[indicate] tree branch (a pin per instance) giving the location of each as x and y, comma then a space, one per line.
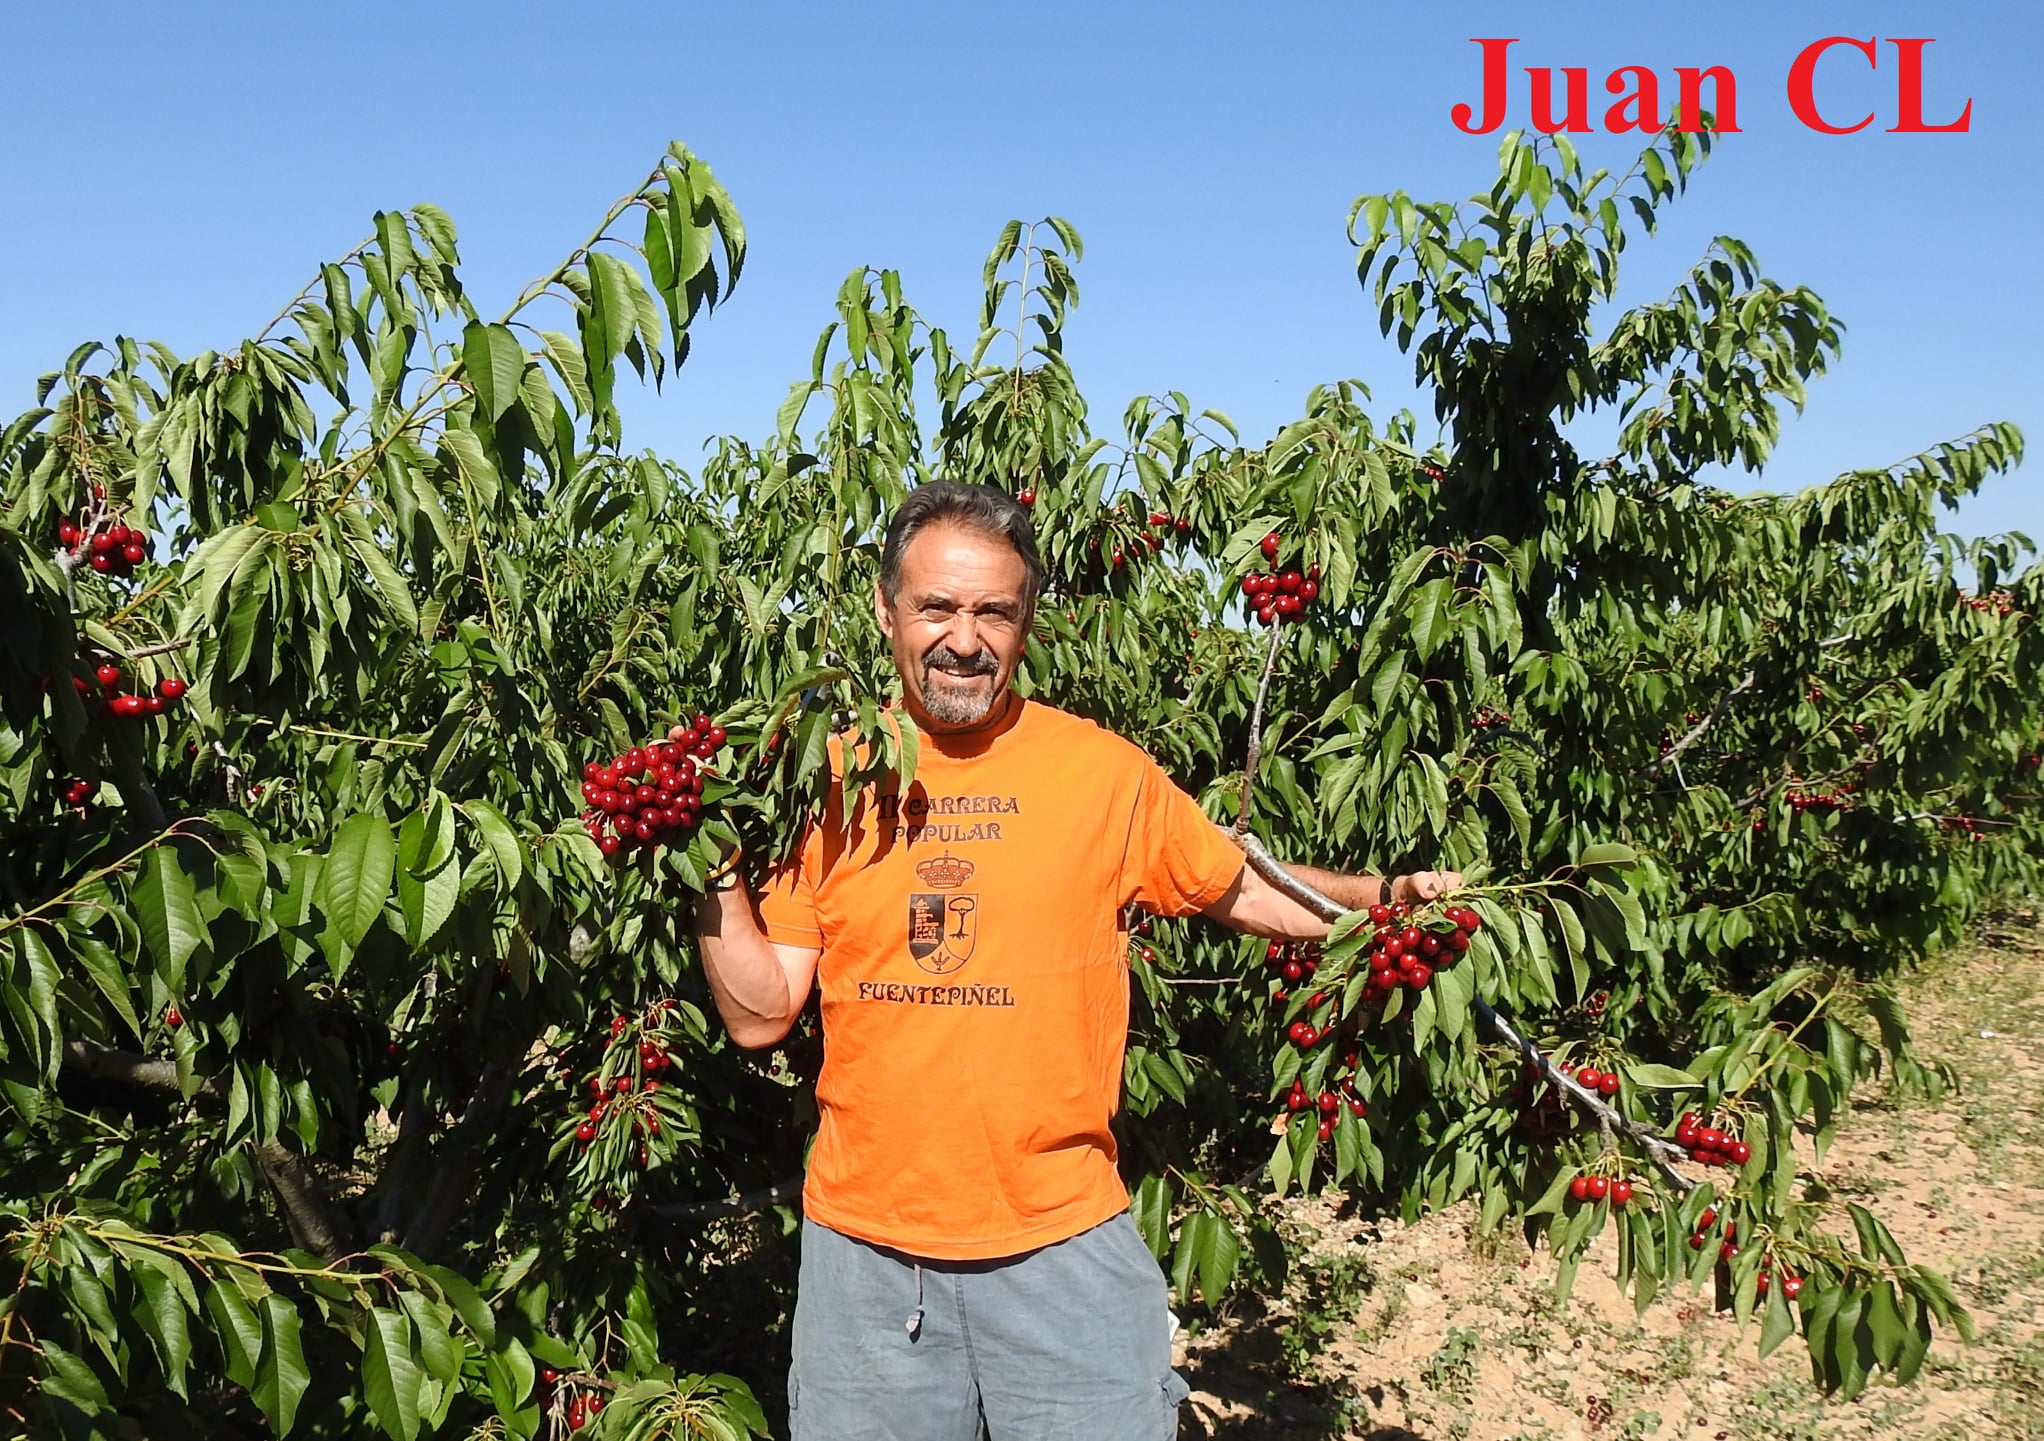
1256, 731
781, 1193
104, 1063
1662, 1152
317, 1224
1654, 767
455, 1161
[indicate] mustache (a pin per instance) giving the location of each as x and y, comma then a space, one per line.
979, 663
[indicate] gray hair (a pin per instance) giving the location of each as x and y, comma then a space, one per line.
979, 508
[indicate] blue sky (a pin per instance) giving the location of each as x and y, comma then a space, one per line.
176, 172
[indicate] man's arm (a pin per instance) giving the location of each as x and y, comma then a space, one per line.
759, 985
1253, 904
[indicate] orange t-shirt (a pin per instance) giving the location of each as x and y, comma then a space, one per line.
975, 980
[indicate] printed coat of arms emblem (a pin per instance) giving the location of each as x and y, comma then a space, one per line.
943, 922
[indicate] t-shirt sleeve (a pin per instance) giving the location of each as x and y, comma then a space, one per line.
1179, 861
787, 901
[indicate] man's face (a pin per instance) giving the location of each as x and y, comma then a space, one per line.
958, 625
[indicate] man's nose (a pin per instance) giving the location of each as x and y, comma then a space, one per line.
961, 634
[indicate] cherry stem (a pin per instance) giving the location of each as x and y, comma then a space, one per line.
1662, 1152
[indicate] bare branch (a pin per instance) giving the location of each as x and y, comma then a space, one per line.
1256, 731
1694, 734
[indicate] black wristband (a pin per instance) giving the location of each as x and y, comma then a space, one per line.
1384, 892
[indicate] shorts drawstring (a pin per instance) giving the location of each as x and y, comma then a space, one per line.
915, 1317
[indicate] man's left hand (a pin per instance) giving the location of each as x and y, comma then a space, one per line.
1424, 886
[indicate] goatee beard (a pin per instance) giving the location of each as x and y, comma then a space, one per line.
951, 707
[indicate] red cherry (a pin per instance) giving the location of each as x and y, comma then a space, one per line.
103, 543
1588, 1077
1327, 1128
1600, 1187
1579, 1188
549, 1375
1379, 914
578, 1414
1329, 1103
108, 673
1027, 497
1607, 1084
103, 564
1419, 976
1271, 543
133, 552
1621, 1193
151, 704
595, 1405
173, 1017
1710, 1215
1740, 1153
586, 1132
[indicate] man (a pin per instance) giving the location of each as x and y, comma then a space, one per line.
968, 1264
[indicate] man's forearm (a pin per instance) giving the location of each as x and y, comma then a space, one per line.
746, 976
1350, 892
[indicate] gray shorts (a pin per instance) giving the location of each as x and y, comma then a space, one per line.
1068, 1343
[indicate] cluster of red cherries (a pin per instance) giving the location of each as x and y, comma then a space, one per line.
1604, 1083
1838, 798
110, 549
1709, 1145
1328, 1103
651, 794
1283, 595
1998, 601
626, 1094
1615, 1189
1162, 521
1728, 1247
169, 691
582, 1408
1405, 955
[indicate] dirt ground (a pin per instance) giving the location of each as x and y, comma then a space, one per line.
1427, 1332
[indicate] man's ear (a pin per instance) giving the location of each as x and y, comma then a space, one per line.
883, 614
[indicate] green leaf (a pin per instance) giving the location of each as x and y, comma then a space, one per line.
355, 881
240, 1333
161, 1310
390, 1375
1610, 853
494, 362
1653, 1074
502, 841
281, 1375
167, 910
